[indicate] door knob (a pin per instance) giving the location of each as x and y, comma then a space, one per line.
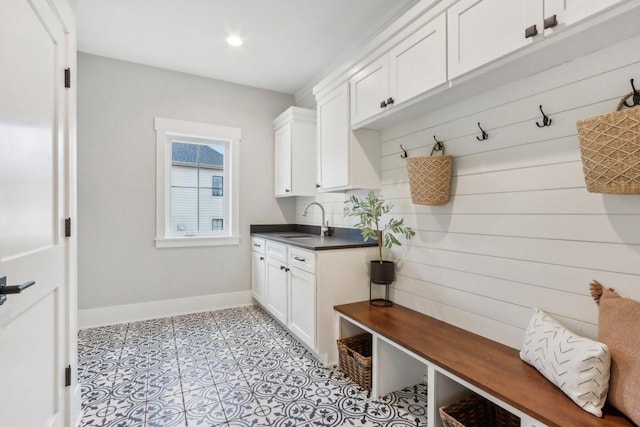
5, 290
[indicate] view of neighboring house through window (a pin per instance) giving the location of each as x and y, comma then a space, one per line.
197, 194
197, 182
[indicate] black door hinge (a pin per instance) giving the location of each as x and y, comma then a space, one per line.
67, 376
67, 77
67, 227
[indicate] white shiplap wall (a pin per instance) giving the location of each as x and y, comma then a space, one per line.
520, 229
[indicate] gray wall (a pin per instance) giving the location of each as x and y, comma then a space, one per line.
117, 260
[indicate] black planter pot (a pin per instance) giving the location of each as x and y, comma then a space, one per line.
381, 274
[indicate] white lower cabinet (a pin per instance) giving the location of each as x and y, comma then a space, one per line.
302, 286
302, 304
277, 289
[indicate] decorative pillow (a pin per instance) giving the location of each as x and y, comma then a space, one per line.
620, 330
577, 365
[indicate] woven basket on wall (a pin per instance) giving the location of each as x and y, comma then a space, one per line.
430, 178
610, 150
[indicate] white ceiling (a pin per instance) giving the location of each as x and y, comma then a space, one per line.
287, 43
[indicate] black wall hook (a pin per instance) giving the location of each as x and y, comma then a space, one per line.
485, 135
546, 121
636, 96
438, 146
404, 154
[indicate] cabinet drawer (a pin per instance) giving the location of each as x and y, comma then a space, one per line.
302, 259
277, 251
258, 244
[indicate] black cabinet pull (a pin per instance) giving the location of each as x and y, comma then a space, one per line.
257, 245
261, 258
383, 104
318, 186
286, 269
550, 22
531, 31
286, 190
299, 259
390, 101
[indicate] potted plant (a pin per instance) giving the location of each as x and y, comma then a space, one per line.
370, 210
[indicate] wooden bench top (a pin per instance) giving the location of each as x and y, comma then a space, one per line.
488, 365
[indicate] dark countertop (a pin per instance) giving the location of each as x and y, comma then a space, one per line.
308, 236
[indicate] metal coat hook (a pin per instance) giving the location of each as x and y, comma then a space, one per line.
546, 121
636, 96
438, 146
485, 135
404, 154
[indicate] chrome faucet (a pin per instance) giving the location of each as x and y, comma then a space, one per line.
324, 228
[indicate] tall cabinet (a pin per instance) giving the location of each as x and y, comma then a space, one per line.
346, 159
295, 152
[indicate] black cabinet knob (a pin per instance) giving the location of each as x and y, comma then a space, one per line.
383, 104
261, 258
318, 185
390, 101
286, 190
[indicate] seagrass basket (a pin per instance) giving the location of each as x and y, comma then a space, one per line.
475, 411
354, 354
610, 151
430, 178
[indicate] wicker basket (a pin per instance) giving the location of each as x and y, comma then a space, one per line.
355, 359
430, 178
610, 150
475, 411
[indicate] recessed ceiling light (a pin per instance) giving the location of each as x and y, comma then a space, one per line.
234, 41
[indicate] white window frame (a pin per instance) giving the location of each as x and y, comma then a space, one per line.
166, 130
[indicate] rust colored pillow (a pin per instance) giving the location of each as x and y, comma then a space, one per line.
619, 328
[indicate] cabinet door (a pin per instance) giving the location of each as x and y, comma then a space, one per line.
480, 31
258, 276
419, 63
370, 88
569, 12
277, 284
334, 139
302, 319
282, 161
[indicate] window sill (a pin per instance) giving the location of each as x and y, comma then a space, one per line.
194, 241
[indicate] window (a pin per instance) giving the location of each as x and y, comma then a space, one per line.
197, 176
217, 186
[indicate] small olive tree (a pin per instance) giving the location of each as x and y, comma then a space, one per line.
370, 210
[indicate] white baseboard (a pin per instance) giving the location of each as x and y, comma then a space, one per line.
93, 317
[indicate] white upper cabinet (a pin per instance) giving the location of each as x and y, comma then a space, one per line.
569, 12
480, 31
346, 160
419, 63
415, 65
295, 152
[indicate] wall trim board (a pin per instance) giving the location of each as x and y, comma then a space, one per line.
103, 316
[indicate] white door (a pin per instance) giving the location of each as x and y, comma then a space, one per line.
480, 31
370, 90
277, 284
302, 319
282, 161
34, 134
258, 276
334, 133
419, 63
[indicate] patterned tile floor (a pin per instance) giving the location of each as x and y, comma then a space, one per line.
234, 367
